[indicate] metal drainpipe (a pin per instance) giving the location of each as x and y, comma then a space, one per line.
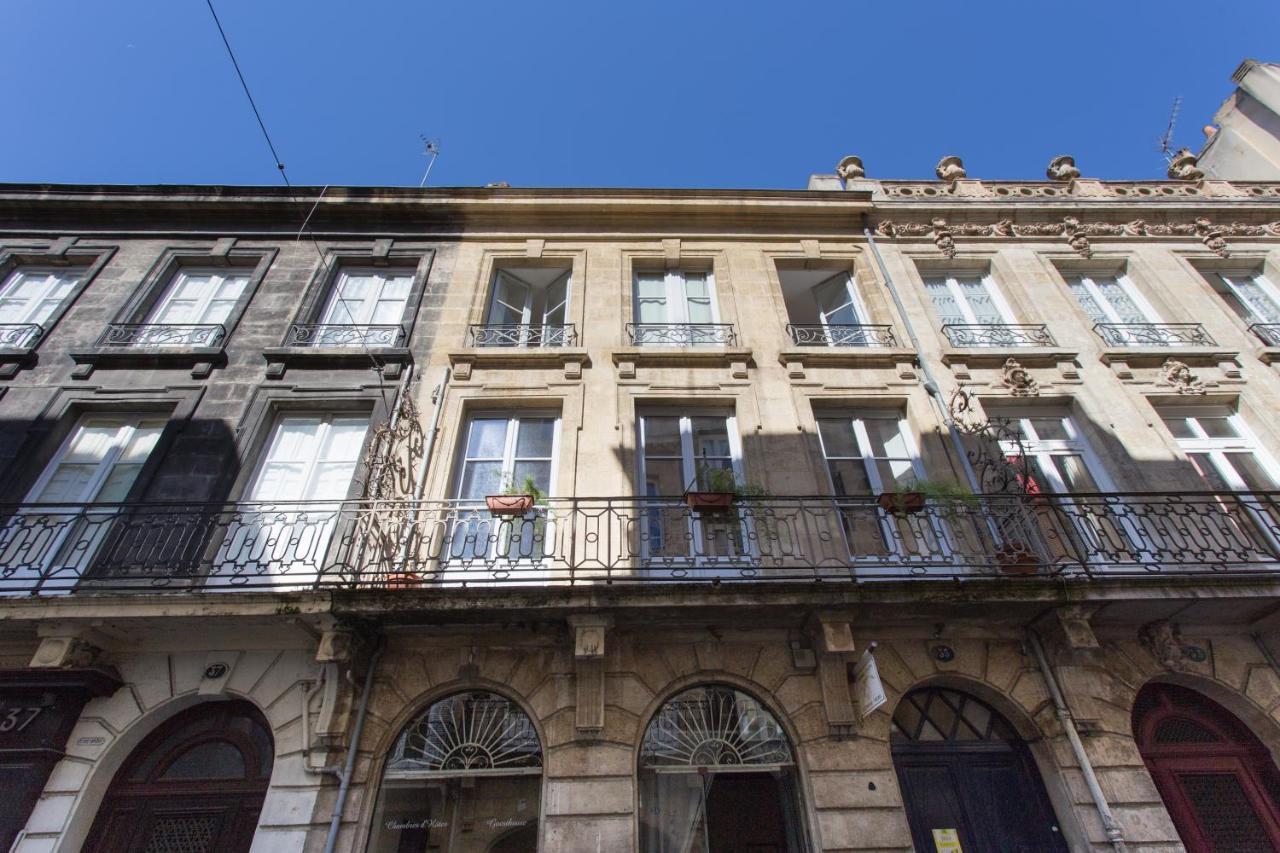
1114, 834
930, 382
421, 485
344, 774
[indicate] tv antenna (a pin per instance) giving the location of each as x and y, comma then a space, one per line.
430, 148
1165, 148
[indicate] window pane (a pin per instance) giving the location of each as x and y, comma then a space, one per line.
539, 471
1208, 472
886, 438
710, 438
980, 300
1218, 427
1251, 471
661, 436
1120, 300
487, 438
69, 483
944, 303
663, 477
1088, 304
1050, 429
895, 473
1074, 474
849, 477
1179, 428
535, 438
838, 438
499, 813
480, 479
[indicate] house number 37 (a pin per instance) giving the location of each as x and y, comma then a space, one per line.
17, 719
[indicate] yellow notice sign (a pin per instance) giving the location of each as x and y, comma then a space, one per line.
946, 841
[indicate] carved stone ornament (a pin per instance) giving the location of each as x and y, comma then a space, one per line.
1163, 641
1018, 380
850, 168
1062, 168
1183, 167
950, 168
942, 237
1077, 236
1177, 376
1212, 235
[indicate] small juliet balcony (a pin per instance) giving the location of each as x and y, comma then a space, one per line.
1268, 333
162, 336
1173, 335
396, 545
526, 335
998, 335
682, 334
20, 337
841, 335
341, 335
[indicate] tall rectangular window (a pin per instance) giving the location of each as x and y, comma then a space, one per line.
1111, 299
367, 298
676, 307
1059, 458
189, 313
1222, 448
968, 300
528, 307
1251, 295
28, 297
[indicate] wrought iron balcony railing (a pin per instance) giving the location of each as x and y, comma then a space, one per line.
20, 336
837, 335
998, 335
521, 335
64, 548
1268, 333
1153, 334
161, 336
344, 336
682, 334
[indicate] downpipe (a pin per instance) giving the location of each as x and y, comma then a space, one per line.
1068, 723
342, 774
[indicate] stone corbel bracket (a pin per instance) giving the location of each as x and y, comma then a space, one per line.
343, 653
589, 633
834, 646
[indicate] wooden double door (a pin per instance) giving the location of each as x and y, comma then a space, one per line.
195, 785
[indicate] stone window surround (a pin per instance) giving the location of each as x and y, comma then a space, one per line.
51, 428
384, 255
855, 263
711, 261
222, 253
1065, 266
742, 406
270, 401
1205, 266
493, 261
989, 264
66, 252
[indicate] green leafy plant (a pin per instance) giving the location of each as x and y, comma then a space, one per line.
711, 478
526, 487
948, 497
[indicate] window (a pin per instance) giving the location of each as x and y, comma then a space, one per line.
968, 300
826, 310
501, 454
1113, 301
28, 297
678, 453
465, 775
68, 512
189, 313
1058, 457
1222, 448
293, 502
528, 307
677, 307
1254, 299
365, 308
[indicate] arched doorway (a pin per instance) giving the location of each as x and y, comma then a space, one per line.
1216, 778
195, 785
966, 774
717, 775
464, 775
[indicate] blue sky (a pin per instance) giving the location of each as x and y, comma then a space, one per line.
670, 94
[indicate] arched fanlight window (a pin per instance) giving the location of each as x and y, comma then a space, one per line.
466, 774
710, 756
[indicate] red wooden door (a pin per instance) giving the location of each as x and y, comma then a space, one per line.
195, 785
1216, 778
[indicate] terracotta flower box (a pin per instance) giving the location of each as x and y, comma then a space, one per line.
402, 580
708, 501
902, 503
509, 504
1014, 558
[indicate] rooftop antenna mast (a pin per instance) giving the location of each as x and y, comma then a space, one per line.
1165, 140
430, 148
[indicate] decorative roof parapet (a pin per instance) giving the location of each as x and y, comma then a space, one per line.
1076, 189
950, 169
1077, 233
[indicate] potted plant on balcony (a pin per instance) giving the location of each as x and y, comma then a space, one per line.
515, 500
717, 489
948, 497
1016, 558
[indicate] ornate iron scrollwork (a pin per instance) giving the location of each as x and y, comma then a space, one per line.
522, 335
714, 727
834, 335
343, 336
1153, 334
1268, 333
997, 453
21, 336
998, 335
161, 335
468, 732
682, 334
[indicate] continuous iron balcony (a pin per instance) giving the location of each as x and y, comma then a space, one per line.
161, 335
340, 335
20, 336
1153, 335
834, 335
682, 334
1268, 333
392, 545
521, 335
998, 335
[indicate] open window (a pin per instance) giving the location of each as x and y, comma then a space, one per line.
677, 308
528, 307
824, 308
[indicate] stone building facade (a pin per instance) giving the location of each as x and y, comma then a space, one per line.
298, 551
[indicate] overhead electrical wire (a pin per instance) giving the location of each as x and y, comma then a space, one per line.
324, 260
